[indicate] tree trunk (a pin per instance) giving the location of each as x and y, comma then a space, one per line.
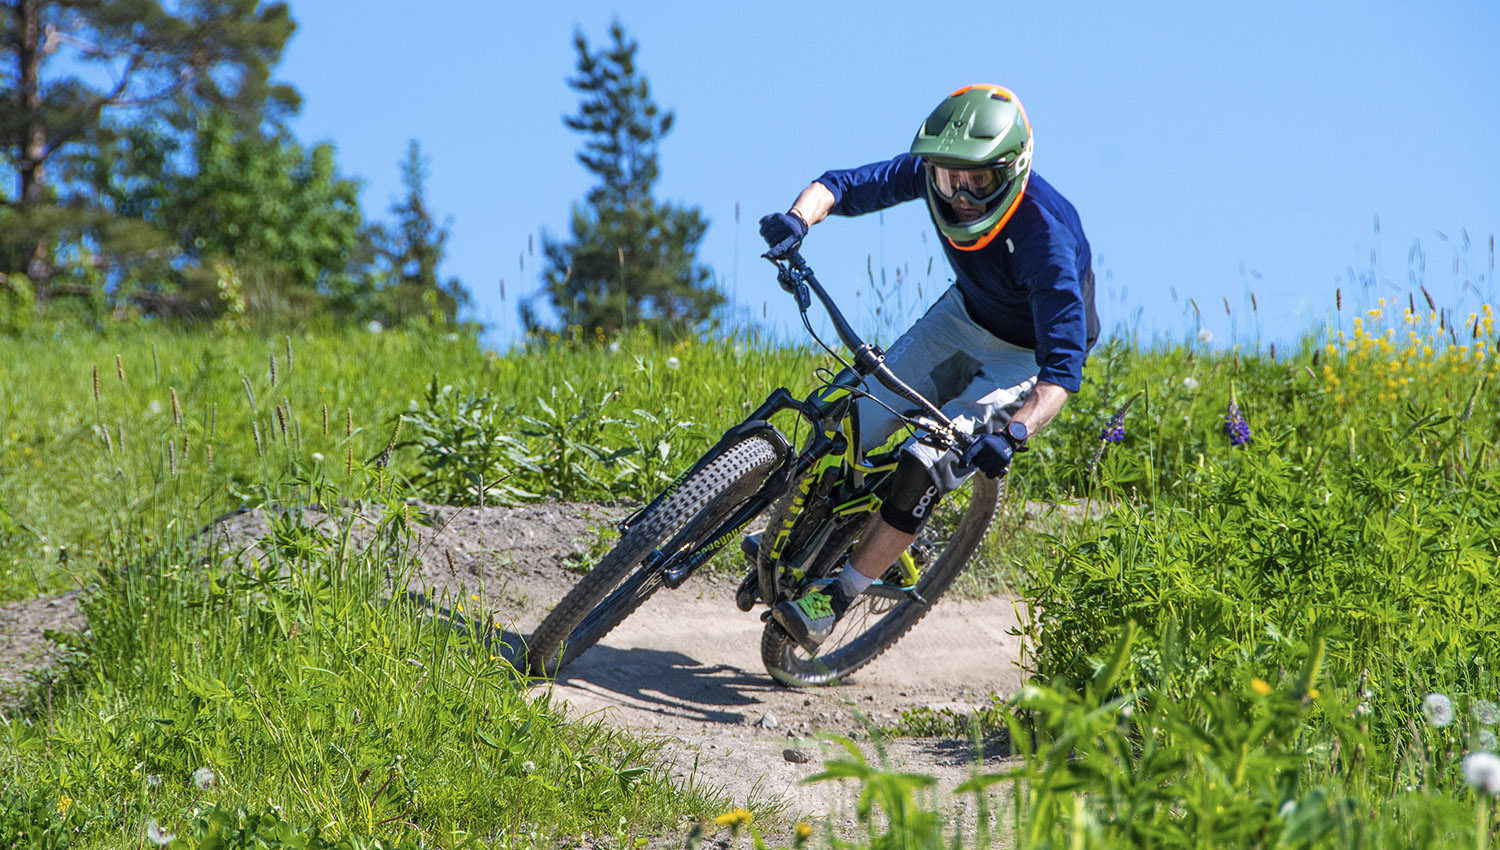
32, 169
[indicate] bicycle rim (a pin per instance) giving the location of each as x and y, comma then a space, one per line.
618, 585
873, 624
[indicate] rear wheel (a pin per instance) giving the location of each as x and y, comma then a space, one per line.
874, 622
618, 585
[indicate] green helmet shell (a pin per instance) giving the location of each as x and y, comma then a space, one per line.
976, 127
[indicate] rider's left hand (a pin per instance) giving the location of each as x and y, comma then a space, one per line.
990, 453
782, 232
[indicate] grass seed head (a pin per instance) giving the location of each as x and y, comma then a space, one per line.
249, 393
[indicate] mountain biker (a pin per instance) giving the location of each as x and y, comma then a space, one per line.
999, 352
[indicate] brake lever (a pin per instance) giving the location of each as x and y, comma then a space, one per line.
791, 281
943, 437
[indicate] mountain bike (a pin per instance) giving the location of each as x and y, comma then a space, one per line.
818, 498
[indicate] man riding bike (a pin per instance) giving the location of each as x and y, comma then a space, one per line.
1003, 348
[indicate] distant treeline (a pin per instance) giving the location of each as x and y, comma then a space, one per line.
152, 173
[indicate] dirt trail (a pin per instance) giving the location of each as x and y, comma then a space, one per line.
685, 669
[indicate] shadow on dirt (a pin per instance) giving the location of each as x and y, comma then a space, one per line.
669, 683
960, 752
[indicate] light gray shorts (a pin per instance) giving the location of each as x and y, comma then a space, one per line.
975, 378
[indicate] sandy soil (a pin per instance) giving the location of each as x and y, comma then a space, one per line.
685, 669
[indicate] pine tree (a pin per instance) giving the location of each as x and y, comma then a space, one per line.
216, 53
411, 252
632, 259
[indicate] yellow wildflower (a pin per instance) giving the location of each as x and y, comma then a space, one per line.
1260, 686
64, 803
734, 818
803, 830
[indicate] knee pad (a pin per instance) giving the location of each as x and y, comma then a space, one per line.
913, 496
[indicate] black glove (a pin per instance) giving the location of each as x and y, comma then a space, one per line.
783, 232
990, 453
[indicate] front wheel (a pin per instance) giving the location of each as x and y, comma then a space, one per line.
874, 622
621, 582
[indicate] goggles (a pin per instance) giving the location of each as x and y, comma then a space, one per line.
979, 186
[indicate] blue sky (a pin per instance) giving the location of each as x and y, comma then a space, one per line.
1213, 150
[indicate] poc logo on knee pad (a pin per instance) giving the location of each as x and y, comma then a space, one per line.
924, 503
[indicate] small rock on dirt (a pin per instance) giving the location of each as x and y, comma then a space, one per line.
796, 756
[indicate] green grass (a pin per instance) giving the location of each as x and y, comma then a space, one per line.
1234, 649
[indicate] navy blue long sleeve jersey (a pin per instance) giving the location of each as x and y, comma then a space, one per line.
1032, 285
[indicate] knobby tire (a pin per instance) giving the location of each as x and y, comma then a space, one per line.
619, 584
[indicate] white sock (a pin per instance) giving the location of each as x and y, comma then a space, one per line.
853, 581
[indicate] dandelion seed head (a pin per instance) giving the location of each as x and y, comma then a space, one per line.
1438, 709
1485, 713
673, 363
204, 778
153, 780
1488, 742
1482, 771
375, 326
156, 835
1190, 382
614, 347
1205, 335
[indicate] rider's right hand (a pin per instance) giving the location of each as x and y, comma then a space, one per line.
990, 454
783, 232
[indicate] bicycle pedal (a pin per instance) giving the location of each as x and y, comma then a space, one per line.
748, 593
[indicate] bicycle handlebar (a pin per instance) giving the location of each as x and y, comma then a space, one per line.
796, 277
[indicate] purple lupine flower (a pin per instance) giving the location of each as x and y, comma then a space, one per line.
1234, 422
1114, 432
1114, 429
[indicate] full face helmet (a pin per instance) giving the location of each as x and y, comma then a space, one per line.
976, 147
